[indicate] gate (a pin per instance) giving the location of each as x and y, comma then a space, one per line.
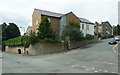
66, 45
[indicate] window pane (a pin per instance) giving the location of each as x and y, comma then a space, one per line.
82, 26
87, 27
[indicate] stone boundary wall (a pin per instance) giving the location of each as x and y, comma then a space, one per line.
14, 49
80, 44
44, 48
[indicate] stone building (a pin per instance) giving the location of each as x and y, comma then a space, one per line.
104, 29
58, 21
29, 30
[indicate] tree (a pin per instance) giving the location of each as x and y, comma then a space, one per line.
33, 38
4, 26
116, 30
8, 32
72, 32
12, 31
44, 30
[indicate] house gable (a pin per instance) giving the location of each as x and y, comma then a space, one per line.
54, 19
106, 27
71, 17
36, 19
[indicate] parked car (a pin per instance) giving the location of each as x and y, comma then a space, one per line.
117, 38
112, 41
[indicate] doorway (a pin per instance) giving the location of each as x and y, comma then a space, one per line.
66, 45
19, 51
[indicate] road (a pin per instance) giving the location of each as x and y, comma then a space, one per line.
94, 58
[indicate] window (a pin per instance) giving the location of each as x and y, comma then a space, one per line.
82, 26
36, 22
87, 27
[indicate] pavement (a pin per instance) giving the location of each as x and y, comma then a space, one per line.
94, 58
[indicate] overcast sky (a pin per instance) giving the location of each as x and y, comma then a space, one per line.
20, 11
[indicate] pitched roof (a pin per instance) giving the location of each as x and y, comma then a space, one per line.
73, 14
85, 20
49, 13
106, 22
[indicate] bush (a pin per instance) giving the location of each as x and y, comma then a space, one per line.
44, 30
99, 35
110, 36
48, 40
72, 32
33, 38
103, 37
19, 41
89, 37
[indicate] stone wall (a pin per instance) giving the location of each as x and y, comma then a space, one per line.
14, 49
80, 44
43, 48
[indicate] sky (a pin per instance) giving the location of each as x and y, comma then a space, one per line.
20, 11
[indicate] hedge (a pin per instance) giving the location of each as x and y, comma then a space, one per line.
89, 37
18, 41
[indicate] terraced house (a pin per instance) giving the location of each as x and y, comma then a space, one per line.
104, 29
87, 27
58, 21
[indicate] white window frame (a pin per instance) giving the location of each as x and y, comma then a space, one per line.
87, 27
82, 26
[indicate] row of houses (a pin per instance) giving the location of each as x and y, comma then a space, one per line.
104, 29
59, 21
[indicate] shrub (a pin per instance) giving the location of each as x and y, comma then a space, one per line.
18, 41
110, 36
44, 30
99, 34
33, 38
48, 40
72, 32
103, 37
89, 37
